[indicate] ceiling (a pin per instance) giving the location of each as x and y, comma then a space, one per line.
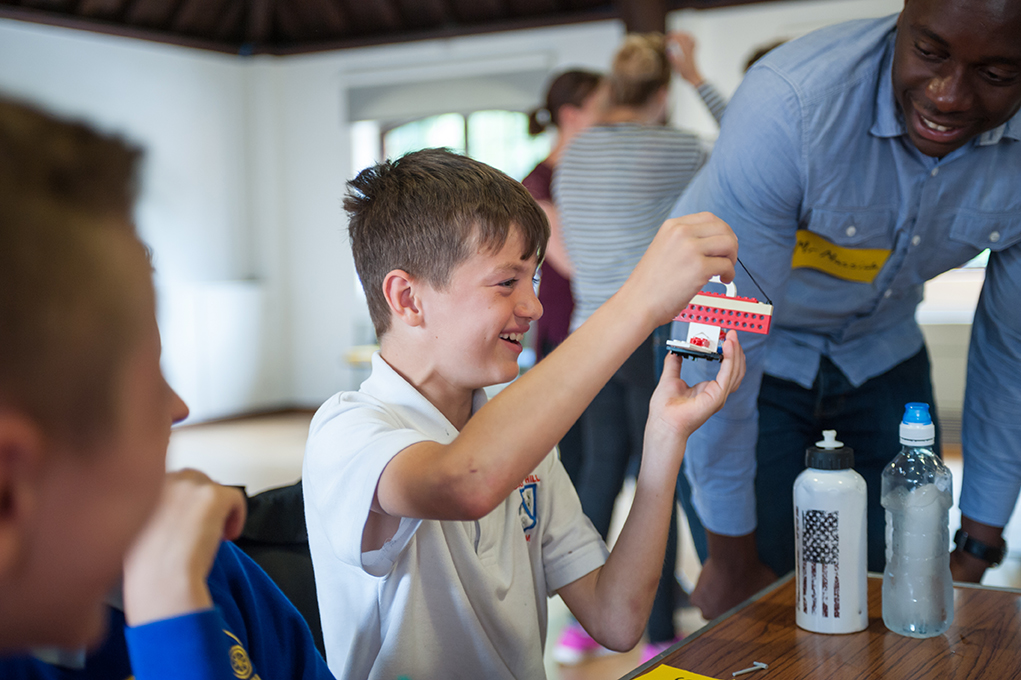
296, 26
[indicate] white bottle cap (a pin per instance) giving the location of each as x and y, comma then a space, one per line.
829, 440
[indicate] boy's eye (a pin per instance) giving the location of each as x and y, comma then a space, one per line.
509, 283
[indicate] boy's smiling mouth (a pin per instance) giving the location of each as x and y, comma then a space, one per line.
514, 338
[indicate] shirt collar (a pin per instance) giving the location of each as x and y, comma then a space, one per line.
390, 387
1011, 129
888, 121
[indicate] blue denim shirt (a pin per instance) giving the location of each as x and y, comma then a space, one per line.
814, 140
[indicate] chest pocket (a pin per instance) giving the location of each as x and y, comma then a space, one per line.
995, 231
847, 244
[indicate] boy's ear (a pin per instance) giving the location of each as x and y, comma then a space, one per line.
401, 292
21, 456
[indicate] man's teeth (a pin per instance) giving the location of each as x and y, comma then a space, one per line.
513, 337
933, 126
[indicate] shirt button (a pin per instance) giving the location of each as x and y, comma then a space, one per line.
851, 231
887, 293
915, 240
994, 237
935, 171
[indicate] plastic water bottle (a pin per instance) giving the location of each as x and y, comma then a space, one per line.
830, 546
918, 591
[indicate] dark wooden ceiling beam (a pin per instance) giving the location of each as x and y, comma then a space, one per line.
288, 23
478, 11
198, 17
51, 5
378, 16
322, 18
230, 25
259, 21
643, 16
420, 14
105, 9
151, 13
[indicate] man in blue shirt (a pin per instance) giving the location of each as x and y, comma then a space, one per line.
855, 164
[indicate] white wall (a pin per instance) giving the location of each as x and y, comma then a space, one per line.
189, 110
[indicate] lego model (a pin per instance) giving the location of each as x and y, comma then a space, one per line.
710, 315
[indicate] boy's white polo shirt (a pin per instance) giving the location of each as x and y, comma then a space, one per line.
440, 599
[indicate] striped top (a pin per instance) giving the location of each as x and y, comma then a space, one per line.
614, 186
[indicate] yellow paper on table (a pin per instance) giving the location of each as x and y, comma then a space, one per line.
671, 673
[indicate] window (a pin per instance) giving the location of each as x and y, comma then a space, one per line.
498, 138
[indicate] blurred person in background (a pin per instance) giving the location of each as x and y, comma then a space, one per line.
574, 101
613, 186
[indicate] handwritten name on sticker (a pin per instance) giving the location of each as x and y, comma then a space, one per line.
812, 251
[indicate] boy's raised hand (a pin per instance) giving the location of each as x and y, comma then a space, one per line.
686, 252
677, 410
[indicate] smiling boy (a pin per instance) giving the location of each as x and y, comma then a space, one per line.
439, 524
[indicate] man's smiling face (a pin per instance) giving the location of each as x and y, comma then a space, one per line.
956, 69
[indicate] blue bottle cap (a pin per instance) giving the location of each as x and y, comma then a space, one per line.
917, 412
917, 429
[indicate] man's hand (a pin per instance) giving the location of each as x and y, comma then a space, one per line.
731, 575
680, 49
686, 252
165, 571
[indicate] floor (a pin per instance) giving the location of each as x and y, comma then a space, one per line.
266, 451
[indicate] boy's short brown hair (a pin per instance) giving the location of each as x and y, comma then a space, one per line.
66, 320
428, 212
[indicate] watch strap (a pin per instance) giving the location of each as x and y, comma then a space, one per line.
983, 551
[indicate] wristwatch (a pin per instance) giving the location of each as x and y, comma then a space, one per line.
983, 551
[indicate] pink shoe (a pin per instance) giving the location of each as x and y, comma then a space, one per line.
653, 649
575, 645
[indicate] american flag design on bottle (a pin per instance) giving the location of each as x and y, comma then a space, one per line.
817, 535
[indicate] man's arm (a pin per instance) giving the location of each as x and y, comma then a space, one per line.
613, 602
991, 434
753, 181
508, 437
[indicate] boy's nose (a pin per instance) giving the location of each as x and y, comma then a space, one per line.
530, 307
178, 409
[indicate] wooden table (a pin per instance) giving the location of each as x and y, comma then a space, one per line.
983, 642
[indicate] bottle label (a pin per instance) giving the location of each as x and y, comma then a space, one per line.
818, 540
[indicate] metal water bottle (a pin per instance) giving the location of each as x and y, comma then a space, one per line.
918, 590
830, 545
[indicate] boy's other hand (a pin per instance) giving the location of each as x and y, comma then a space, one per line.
677, 410
165, 571
686, 252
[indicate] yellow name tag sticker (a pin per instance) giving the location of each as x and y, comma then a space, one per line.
812, 251
670, 673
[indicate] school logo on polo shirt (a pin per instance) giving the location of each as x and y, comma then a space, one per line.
528, 511
239, 661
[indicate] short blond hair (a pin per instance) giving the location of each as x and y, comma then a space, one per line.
640, 69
